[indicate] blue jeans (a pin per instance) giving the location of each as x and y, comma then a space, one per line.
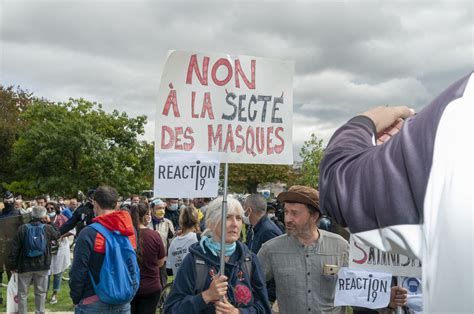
56, 281
100, 307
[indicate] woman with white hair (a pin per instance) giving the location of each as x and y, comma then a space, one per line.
198, 287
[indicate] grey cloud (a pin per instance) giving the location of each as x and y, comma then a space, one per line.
342, 90
348, 56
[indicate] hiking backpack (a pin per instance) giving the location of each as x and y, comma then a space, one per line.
120, 274
35, 240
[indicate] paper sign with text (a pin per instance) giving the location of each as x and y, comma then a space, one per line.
369, 258
186, 175
240, 107
362, 288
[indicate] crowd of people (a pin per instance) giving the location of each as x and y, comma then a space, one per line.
393, 195
269, 263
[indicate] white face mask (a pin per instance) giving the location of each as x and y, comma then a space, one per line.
246, 219
271, 216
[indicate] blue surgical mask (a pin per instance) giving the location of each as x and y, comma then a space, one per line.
52, 215
173, 207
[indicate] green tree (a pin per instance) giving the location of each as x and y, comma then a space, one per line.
13, 101
247, 177
75, 145
311, 154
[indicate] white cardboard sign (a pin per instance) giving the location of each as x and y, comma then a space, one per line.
366, 257
362, 288
186, 175
240, 107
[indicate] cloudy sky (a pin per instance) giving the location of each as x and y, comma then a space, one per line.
349, 56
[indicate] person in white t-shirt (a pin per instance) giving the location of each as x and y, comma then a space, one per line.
189, 223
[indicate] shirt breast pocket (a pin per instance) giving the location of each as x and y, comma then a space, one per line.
328, 287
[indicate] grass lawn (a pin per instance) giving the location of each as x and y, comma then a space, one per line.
64, 301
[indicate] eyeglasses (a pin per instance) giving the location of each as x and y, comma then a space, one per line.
50, 208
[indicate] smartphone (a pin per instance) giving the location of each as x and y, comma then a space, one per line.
330, 270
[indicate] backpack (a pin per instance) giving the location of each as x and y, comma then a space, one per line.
35, 240
202, 271
120, 274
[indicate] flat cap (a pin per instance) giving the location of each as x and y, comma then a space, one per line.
300, 194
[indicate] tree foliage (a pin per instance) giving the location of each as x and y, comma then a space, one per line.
311, 154
13, 101
247, 177
61, 148
76, 145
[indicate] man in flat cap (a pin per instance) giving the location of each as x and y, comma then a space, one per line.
304, 262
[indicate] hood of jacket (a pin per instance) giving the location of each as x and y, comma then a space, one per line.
118, 220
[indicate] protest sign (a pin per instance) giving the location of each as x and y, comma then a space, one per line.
240, 107
365, 257
186, 174
362, 288
415, 293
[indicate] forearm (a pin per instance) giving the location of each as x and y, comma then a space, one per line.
68, 225
356, 175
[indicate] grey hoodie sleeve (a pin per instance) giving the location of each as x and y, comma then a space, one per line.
379, 191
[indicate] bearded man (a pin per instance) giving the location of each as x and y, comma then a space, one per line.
304, 261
